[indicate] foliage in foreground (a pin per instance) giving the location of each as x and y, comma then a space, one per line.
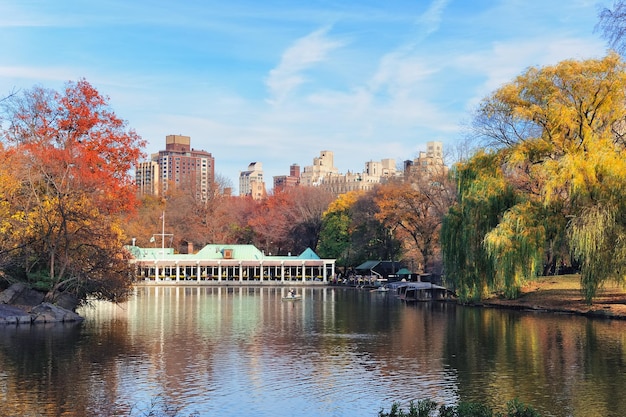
426, 408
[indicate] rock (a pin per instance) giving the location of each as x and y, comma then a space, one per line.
16, 307
50, 313
20, 294
65, 300
14, 315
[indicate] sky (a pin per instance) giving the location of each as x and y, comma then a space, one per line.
279, 81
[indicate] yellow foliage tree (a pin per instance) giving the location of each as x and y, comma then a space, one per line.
562, 130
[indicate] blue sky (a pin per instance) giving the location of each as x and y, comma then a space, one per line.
278, 81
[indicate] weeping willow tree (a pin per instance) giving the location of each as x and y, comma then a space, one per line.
598, 242
484, 196
516, 248
560, 131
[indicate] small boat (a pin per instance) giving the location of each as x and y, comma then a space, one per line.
380, 289
293, 297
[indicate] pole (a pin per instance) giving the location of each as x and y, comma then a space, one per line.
163, 235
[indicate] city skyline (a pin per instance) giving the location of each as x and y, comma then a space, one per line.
276, 84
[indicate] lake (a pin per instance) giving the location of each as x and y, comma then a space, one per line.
243, 351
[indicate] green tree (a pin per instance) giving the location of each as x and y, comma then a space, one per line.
484, 196
336, 230
371, 238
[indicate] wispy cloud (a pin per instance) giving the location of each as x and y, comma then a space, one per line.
303, 54
430, 20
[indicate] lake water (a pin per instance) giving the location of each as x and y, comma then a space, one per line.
214, 351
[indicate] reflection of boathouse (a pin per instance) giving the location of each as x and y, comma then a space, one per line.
229, 264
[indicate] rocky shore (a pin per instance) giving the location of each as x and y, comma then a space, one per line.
20, 305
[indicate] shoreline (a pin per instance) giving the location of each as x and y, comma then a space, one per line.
561, 294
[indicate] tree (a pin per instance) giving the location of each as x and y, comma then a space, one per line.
371, 238
307, 210
336, 230
559, 131
483, 197
612, 24
413, 212
291, 220
70, 157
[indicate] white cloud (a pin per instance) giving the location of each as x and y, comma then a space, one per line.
36, 73
431, 19
303, 54
504, 61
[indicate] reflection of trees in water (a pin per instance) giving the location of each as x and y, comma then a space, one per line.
559, 364
51, 366
177, 340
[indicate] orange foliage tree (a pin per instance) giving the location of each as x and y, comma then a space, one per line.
289, 221
71, 156
414, 212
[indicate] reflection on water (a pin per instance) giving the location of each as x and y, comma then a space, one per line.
337, 352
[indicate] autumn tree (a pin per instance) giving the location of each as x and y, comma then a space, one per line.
191, 223
71, 157
143, 223
308, 205
352, 234
290, 221
371, 238
270, 223
413, 212
335, 233
558, 132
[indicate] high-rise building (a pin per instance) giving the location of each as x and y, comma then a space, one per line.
147, 178
282, 182
251, 182
427, 164
178, 166
323, 166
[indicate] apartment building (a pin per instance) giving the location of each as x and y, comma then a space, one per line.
282, 182
323, 174
427, 164
323, 166
251, 182
147, 178
177, 166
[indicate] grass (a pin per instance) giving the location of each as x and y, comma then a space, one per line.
562, 293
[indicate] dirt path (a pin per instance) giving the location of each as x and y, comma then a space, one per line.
562, 294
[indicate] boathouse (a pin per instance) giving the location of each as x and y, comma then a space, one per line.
241, 264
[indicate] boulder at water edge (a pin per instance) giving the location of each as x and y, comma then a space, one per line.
22, 305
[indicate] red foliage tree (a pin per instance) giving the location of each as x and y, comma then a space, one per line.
76, 137
71, 158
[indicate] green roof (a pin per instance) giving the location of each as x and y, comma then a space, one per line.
308, 254
213, 251
367, 265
